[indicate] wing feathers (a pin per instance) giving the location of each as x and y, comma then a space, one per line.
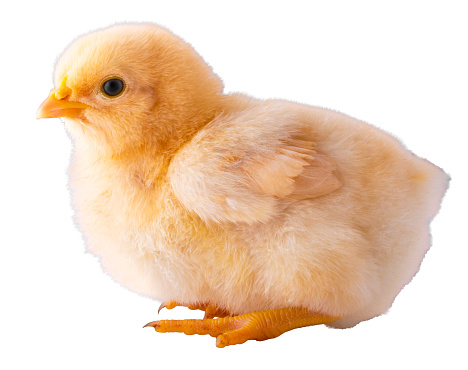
294, 171
316, 179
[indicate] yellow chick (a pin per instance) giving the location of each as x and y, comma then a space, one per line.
266, 214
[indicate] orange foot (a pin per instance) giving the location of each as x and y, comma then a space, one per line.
259, 325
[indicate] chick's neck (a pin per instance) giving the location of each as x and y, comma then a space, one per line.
145, 159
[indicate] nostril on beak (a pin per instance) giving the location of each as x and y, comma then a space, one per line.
63, 91
62, 95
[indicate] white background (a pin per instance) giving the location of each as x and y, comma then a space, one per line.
400, 66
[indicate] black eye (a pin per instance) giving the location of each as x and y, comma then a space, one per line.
113, 87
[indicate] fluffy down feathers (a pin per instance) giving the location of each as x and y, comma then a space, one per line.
194, 195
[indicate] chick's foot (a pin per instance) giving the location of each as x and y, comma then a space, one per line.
210, 310
259, 325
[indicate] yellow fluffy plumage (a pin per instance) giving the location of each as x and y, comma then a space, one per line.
196, 196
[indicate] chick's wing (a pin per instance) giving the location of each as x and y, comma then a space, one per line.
239, 166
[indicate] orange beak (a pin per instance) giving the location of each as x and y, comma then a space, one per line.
58, 105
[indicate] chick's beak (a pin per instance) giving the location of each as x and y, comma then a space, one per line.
58, 105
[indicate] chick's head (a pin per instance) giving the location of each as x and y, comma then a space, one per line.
132, 85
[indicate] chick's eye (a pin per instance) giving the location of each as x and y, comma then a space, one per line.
113, 87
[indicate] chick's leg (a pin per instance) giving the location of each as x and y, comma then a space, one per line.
259, 325
210, 310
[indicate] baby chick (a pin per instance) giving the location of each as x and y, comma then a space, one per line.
266, 214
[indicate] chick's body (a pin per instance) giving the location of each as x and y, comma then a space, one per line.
192, 195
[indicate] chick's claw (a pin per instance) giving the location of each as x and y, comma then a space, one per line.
210, 310
213, 327
259, 325
169, 305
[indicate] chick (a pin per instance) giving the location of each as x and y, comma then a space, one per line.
266, 214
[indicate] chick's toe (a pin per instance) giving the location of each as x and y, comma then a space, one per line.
211, 311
